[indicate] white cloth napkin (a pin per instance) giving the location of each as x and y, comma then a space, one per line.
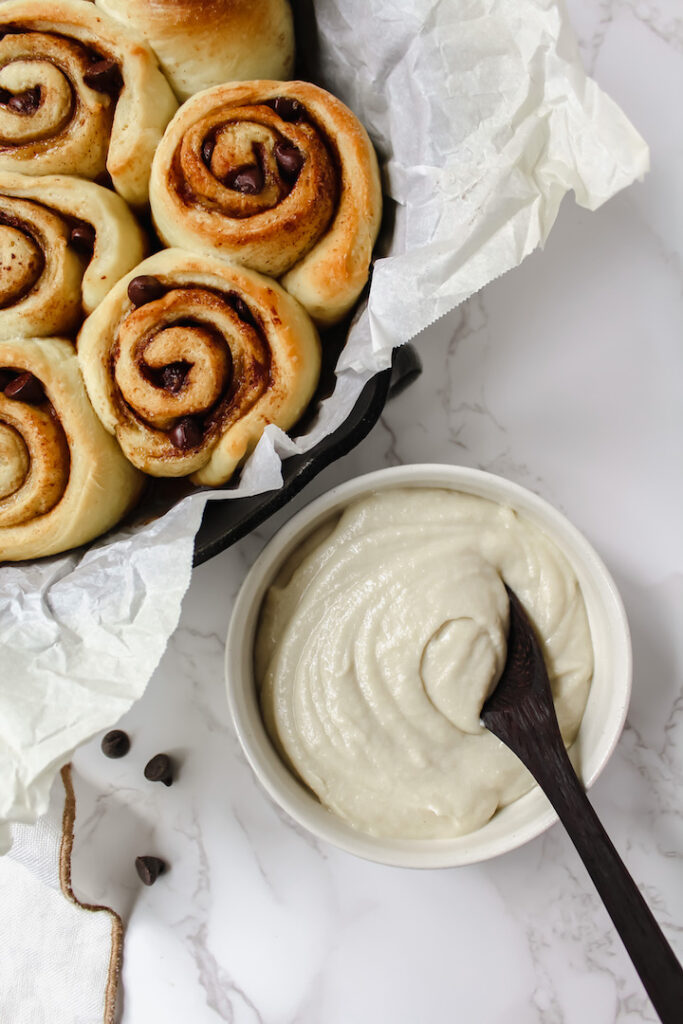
60, 958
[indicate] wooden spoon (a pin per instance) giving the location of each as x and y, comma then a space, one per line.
521, 713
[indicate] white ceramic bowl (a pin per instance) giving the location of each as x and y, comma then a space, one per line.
531, 814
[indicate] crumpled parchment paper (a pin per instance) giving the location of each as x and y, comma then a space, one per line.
483, 118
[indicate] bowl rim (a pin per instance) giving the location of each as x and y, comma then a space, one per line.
288, 792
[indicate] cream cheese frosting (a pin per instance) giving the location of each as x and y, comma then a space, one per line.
381, 638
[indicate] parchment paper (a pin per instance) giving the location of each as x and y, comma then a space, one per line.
483, 118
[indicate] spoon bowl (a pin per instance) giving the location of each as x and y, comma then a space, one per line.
520, 821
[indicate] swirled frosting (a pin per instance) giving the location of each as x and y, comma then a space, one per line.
381, 639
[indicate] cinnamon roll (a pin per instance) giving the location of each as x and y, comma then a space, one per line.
277, 176
63, 243
188, 359
63, 478
201, 43
79, 94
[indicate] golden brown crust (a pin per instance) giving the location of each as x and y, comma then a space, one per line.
312, 209
189, 379
71, 123
201, 43
48, 281
63, 479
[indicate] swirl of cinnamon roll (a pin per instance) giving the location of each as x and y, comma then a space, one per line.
188, 359
63, 243
79, 94
63, 478
280, 177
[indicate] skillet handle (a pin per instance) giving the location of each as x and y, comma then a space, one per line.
406, 367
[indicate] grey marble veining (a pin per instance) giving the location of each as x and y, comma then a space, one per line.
565, 376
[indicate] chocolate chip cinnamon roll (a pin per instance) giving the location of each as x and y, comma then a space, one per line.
79, 94
63, 478
201, 43
278, 176
188, 359
63, 243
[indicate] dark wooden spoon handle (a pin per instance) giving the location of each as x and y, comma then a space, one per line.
652, 956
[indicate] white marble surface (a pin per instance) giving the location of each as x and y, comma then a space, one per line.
565, 376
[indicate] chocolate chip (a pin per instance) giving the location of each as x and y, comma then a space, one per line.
247, 179
289, 159
82, 239
5, 377
25, 388
241, 308
207, 150
104, 76
187, 433
288, 109
25, 102
5, 95
144, 289
173, 377
115, 744
160, 769
149, 869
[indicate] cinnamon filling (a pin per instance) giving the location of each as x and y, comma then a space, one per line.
22, 259
34, 452
252, 159
42, 80
235, 164
25, 102
190, 361
249, 154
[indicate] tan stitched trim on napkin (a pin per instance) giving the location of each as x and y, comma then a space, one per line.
66, 846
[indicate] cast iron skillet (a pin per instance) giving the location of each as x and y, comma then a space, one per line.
226, 522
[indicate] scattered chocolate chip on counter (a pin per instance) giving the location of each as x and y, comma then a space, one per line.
149, 868
116, 743
160, 769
